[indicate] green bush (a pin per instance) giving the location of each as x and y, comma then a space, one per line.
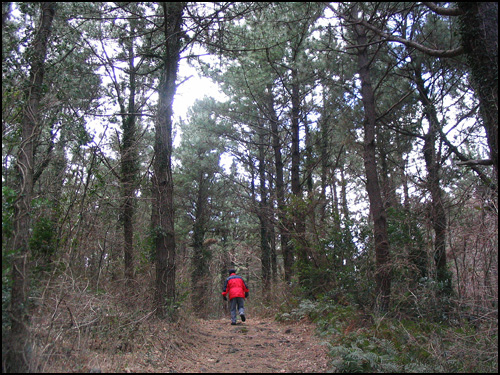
8, 198
362, 342
385, 347
42, 241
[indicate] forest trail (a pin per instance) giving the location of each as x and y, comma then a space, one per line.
257, 345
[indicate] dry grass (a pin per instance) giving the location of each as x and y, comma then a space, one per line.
77, 328
113, 329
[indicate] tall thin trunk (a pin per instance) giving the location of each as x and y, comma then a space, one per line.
200, 256
349, 241
163, 185
272, 233
298, 217
264, 218
19, 342
280, 189
382, 257
295, 175
438, 213
128, 165
324, 155
388, 189
309, 164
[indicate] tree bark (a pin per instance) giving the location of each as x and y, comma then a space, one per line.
325, 157
200, 256
264, 219
298, 216
271, 231
479, 29
129, 165
280, 188
19, 352
438, 214
382, 257
163, 208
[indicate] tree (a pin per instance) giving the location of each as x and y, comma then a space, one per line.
479, 31
432, 162
163, 184
128, 158
128, 112
18, 357
199, 179
264, 213
377, 210
284, 227
344, 145
277, 78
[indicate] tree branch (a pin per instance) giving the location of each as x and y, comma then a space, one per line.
443, 11
428, 51
470, 163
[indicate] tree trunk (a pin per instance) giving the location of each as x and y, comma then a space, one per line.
264, 219
18, 355
128, 165
325, 157
438, 214
271, 231
350, 247
163, 208
199, 276
309, 163
479, 29
280, 189
298, 215
387, 184
382, 257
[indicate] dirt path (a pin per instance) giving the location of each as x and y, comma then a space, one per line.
199, 346
258, 345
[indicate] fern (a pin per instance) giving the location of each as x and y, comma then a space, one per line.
362, 356
418, 367
305, 308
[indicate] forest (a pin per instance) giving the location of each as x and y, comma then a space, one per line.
347, 168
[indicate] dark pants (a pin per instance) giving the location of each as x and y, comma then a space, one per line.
237, 302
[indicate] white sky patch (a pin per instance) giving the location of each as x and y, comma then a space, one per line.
194, 88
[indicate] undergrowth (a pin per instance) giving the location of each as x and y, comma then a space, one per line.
80, 328
368, 342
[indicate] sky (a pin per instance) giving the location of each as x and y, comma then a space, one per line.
194, 88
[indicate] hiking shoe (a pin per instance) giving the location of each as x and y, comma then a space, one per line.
233, 323
243, 317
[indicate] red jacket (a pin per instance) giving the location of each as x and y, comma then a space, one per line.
235, 287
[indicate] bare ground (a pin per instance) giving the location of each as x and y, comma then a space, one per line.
258, 345
77, 330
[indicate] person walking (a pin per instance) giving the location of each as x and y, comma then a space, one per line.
237, 290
